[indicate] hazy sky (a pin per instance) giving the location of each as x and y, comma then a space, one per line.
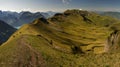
59, 5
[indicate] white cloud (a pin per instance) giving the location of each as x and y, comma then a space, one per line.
26, 9
66, 1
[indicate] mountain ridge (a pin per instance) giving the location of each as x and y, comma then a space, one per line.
69, 39
16, 19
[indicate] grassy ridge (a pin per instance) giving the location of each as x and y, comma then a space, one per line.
71, 39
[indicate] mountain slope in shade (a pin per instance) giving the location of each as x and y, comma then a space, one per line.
5, 31
27, 17
71, 39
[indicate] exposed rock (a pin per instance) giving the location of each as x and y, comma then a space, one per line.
113, 41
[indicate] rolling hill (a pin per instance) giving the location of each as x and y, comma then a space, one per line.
74, 38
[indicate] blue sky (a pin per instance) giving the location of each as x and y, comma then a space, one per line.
59, 5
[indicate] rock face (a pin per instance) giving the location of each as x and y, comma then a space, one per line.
5, 31
114, 41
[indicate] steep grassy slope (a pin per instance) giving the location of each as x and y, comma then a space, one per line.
70, 39
21, 55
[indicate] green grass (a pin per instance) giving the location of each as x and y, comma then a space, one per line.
57, 58
67, 41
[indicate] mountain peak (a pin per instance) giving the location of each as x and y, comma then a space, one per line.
40, 20
76, 11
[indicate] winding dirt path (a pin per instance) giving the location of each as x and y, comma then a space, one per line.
36, 59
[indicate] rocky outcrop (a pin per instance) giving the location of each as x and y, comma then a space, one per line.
40, 21
113, 41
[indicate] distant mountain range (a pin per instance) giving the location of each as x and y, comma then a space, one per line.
16, 19
5, 31
109, 13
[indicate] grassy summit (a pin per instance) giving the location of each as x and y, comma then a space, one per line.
71, 39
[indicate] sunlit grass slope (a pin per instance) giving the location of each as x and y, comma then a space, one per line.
71, 39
